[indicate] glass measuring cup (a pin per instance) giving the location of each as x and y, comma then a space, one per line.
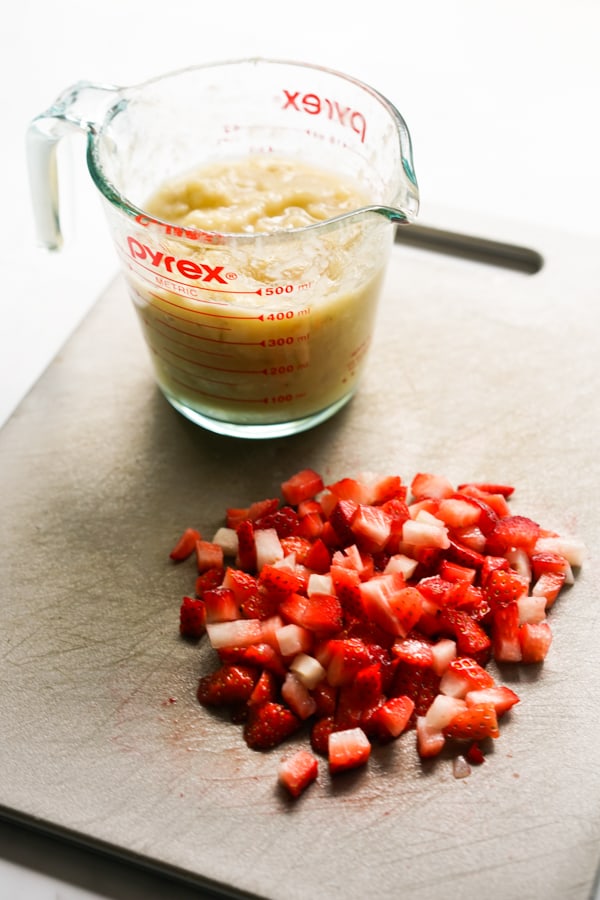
258, 334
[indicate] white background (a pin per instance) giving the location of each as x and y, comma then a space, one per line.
501, 98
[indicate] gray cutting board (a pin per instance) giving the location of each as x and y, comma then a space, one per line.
476, 372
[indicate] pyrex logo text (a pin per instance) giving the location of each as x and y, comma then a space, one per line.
314, 105
172, 264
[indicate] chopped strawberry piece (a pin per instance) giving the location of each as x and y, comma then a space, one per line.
192, 618
474, 754
185, 545
319, 734
228, 685
208, 556
304, 485
504, 587
220, 605
318, 557
346, 658
501, 697
261, 508
464, 675
513, 531
284, 521
430, 741
246, 558
535, 640
488, 488
413, 651
474, 723
505, 633
549, 585
280, 580
269, 725
425, 486
392, 717
420, 683
265, 690
321, 613
371, 527
298, 771
471, 639
348, 749
453, 571
208, 580
341, 519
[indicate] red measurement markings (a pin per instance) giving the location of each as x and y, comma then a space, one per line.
141, 270
153, 326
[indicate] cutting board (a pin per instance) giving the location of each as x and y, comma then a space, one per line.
477, 372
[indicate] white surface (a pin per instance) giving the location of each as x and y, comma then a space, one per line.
500, 98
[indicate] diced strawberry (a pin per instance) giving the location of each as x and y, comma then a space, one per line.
236, 633
471, 639
392, 717
548, 562
228, 685
496, 502
492, 564
549, 586
243, 584
319, 734
462, 555
425, 486
269, 724
413, 651
457, 512
318, 558
348, 749
474, 754
208, 556
261, 508
208, 580
284, 522
388, 488
326, 698
220, 605
474, 723
489, 488
425, 534
308, 669
192, 618
488, 516
265, 689
464, 675
505, 633
512, 531
501, 697
504, 587
535, 640
341, 519
371, 527
304, 485
264, 656
351, 489
443, 710
297, 696
321, 613
185, 545
430, 741
453, 571
419, 683
443, 652
298, 771
346, 658
246, 557
267, 547
280, 580
292, 639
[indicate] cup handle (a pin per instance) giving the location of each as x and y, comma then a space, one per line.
79, 108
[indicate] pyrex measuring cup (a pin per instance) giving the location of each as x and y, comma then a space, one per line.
257, 334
